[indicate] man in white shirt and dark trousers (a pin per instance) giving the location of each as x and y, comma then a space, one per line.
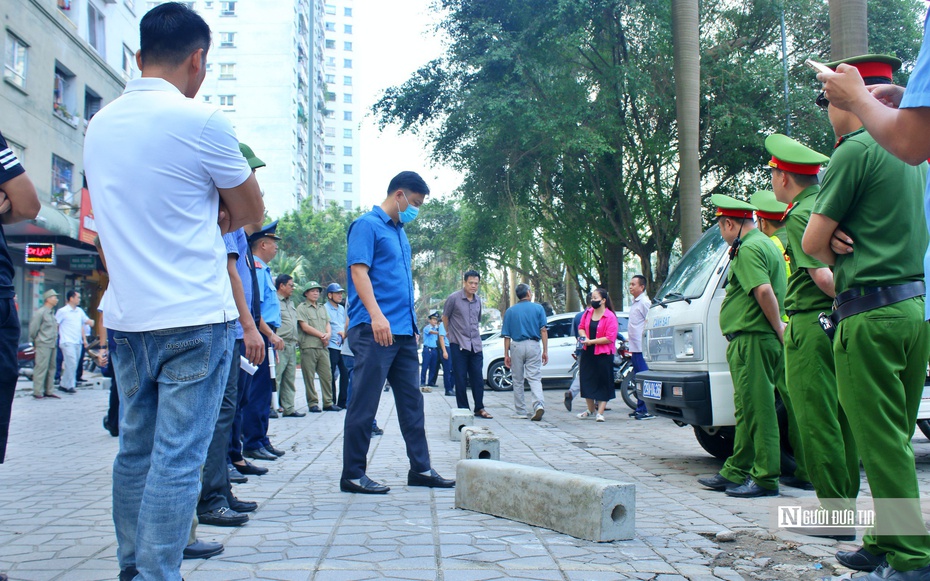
71, 320
162, 170
638, 311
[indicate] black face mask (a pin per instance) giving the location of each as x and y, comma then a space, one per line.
596, 304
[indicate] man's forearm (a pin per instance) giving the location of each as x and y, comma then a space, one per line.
366, 293
767, 300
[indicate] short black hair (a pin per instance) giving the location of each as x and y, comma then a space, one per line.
70, 294
281, 280
170, 32
408, 180
470, 273
641, 279
522, 290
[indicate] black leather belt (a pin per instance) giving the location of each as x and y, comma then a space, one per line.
731, 336
860, 300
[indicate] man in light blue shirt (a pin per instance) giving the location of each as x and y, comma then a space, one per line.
337, 324
429, 367
524, 327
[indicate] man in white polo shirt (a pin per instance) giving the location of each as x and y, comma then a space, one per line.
71, 320
162, 168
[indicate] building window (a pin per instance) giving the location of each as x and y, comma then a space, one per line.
227, 101
208, 4
206, 98
347, 134
329, 186
347, 28
329, 149
331, 78
347, 63
14, 70
18, 150
347, 169
331, 62
227, 39
348, 12
347, 186
64, 97
329, 114
347, 150
330, 132
346, 115
95, 29
330, 9
129, 59
347, 98
227, 70
227, 8
330, 43
347, 81
347, 204
347, 46
148, 5
209, 67
329, 167
330, 96
92, 103
330, 26
62, 178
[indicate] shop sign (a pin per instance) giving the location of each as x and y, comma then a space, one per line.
83, 262
40, 253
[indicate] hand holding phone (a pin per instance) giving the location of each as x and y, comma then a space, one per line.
819, 67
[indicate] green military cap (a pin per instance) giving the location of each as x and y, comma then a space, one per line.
313, 284
731, 207
791, 156
875, 69
249, 155
767, 206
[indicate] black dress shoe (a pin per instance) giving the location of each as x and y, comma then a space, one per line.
751, 490
295, 415
259, 454
202, 550
250, 469
67, 389
332, 408
273, 414
795, 482
128, 574
860, 560
223, 517
717, 482
315, 409
376, 431
236, 477
434, 480
365, 486
242, 506
272, 450
568, 400
451, 393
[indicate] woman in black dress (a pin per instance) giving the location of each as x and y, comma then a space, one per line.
596, 367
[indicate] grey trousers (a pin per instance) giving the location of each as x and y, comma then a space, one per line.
526, 367
43, 374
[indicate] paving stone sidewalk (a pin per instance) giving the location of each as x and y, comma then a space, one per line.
55, 491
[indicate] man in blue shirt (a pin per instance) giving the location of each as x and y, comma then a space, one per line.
429, 368
524, 326
382, 332
337, 323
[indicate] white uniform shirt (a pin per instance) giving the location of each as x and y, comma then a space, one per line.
70, 324
154, 160
638, 311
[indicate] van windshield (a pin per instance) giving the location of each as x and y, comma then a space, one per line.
689, 278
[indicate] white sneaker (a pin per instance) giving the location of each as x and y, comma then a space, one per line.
599, 418
538, 414
519, 416
584, 414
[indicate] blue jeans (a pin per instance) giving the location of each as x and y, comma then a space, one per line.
448, 375
639, 364
171, 383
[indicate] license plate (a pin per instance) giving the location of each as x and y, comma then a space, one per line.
652, 389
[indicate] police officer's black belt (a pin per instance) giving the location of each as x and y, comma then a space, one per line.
731, 336
860, 300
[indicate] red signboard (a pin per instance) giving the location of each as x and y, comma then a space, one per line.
88, 228
40, 253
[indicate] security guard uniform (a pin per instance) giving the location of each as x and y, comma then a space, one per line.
882, 341
754, 353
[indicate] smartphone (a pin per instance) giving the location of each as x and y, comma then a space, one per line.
819, 67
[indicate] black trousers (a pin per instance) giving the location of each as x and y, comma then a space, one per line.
466, 368
9, 368
215, 486
336, 364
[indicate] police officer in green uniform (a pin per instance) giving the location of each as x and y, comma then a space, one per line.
750, 318
770, 216
872, 202
829, 448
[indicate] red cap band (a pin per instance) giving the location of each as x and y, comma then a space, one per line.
733, 213
801, 168
873, 69
771, 215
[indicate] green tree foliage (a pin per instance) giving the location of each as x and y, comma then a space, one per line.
313, 245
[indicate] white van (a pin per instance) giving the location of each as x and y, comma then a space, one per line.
688, 379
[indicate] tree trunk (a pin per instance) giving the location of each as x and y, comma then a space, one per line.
685, 29
615, 274
572, 303
849, 28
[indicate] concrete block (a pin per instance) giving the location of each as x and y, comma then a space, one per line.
584, 507
458, 419
480, 443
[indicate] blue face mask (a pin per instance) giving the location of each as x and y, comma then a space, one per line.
408, 215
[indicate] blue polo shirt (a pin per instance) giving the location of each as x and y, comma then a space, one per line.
337, 323
377, 242
271, 308
237, 244
523, 321
430, 339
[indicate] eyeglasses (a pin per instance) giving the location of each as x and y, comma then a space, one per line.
821, 101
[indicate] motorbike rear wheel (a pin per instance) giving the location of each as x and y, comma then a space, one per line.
623, 378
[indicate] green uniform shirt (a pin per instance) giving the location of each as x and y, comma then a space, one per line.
803, 293
876, 199
757, 262
315, 316
288, 329
43, 328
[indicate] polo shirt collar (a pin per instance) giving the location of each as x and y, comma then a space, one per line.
151, 84
379, 211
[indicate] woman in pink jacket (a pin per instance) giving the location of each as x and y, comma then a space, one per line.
596, 367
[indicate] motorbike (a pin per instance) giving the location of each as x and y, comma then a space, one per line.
26, 359
623, 374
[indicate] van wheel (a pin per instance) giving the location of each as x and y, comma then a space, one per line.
719, 444
924, 426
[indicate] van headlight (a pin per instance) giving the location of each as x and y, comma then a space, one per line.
688, 343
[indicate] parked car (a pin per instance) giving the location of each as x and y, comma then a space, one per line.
560, 370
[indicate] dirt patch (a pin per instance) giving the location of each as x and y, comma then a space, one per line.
760, 556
